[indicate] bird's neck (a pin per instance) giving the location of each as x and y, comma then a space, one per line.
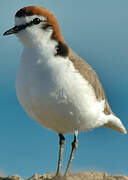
46, 49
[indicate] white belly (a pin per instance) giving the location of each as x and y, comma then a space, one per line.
54, 94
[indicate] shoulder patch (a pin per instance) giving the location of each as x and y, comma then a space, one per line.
62, 49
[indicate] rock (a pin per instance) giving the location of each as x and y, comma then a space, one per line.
13, 177
73, 176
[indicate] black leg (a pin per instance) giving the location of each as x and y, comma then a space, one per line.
74, 147
61, 142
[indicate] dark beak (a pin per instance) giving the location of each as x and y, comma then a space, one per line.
13, 30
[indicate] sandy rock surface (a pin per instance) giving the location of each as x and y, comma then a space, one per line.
74, 176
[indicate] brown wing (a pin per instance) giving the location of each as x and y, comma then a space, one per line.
89, 74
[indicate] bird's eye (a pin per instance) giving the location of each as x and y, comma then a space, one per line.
36, 21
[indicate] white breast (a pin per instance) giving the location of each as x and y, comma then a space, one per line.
55, 94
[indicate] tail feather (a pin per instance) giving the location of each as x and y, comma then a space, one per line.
116, 124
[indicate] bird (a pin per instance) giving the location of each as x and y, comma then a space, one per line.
55, 86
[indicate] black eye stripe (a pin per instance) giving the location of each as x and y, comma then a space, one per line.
35, 21
23, 26
45, 26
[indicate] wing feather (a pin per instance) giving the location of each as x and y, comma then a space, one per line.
90, 75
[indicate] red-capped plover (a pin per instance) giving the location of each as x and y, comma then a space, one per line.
55, 86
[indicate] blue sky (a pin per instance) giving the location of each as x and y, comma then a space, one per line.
97, 31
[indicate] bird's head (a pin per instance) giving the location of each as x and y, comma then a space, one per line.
34, 24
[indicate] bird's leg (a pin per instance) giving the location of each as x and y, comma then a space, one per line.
61, 142
74, 147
